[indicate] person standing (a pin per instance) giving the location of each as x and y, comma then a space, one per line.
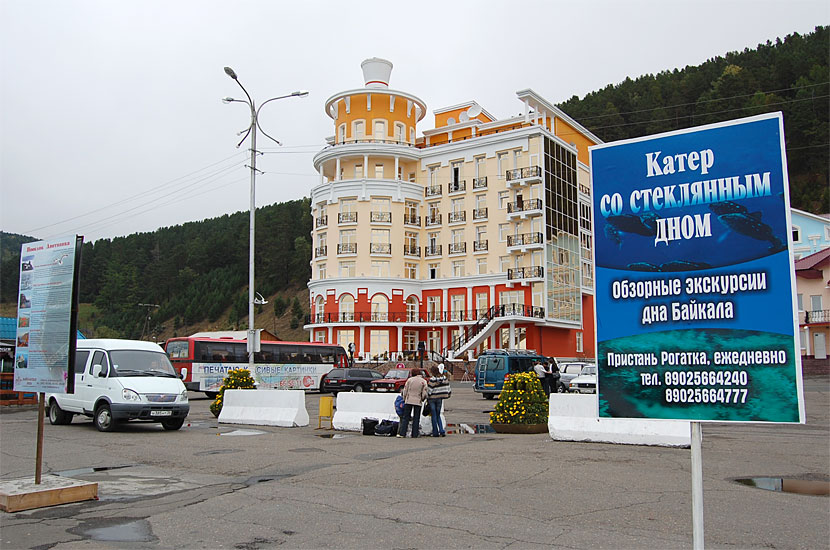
438, 389
414, 392
539, 369
552, 375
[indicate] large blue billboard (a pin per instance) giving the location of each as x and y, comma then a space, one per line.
694, 278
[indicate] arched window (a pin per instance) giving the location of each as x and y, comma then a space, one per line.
412, 309
346, 307
380, 308
319, 308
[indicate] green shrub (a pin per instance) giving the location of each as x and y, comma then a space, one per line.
521, 401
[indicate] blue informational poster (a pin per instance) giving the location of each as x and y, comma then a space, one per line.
695, 300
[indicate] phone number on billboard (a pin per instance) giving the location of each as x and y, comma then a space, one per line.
706, 395
705, 378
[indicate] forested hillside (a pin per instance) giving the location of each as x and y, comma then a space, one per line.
195, 272
789, 75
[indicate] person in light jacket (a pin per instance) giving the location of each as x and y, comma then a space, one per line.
414, 392
438, 389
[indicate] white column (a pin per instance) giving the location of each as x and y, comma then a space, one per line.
337, 170
527, 111
512, 337
400, 338
397, 166
365, 166
444, 337
331, 335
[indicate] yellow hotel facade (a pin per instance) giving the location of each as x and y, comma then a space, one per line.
475, 235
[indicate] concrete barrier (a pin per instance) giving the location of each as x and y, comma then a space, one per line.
352, 407
285, 408
573, 417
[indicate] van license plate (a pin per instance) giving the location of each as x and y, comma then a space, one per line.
161, 413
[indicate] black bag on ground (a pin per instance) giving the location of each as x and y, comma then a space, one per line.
387, 428
369, 425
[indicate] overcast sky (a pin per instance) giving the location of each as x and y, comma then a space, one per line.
110, 115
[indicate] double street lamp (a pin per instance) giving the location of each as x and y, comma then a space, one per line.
252, 130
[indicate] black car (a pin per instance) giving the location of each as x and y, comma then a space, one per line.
337, 380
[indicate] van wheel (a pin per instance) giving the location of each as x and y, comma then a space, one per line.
489, 395
58, 416
103, 418
172, 424
211, 394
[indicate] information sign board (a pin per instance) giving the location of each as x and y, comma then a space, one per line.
45, 320
695, 295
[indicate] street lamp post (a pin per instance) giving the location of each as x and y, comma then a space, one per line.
252, 130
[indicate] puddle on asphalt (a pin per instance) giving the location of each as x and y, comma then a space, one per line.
130, 531
217, 452
788, 485
335, 436
470, 429
243, 432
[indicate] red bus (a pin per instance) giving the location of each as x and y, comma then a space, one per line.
204, 362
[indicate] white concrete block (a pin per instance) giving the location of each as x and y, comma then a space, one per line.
284, 408
353, 407
573, 417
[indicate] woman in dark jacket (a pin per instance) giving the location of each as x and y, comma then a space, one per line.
438, 389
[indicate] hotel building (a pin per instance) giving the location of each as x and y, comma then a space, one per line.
475, 235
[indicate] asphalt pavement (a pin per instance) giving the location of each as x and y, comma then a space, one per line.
252, 487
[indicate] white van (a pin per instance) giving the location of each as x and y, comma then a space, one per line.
119, 380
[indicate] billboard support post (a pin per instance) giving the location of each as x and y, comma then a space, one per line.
697, 486
41, 413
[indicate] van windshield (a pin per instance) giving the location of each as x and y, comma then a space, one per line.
141, 363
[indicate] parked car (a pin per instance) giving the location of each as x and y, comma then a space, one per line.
586, 382
120, 380
393, 381
337, 380
567, 372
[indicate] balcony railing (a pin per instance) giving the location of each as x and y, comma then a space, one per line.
410, 250
432, 191
409, 219
817, 316
347, 248
524, 173
322, 221
319, 251
457, 316
480, 246
534, 272
457, 186
435, 219
480, 183
484, 318
457, 248
347, 217
456, 217
434, 250
380, 248
525, 239
380, 217
524, 206
480, 214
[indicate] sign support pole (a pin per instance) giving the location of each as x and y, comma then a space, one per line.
697, 486
41, 410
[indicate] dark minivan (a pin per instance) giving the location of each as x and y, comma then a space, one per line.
493, 365
337, 380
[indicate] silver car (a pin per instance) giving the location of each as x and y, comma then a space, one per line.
586, 382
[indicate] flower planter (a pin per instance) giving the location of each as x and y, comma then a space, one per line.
520, 428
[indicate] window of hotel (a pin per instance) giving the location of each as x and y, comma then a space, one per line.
433, 176
457, 306
457, 205
359, 130
321, 271
381, 204
432, 239
480, 173
341, 133
504, 230
412, 177
345, 337
800, 300
346, 306
504, 263
320, 336
500, 164
358, 171
481, 303
481, 266
585, 216
410, 270
380, 268
380, 130
412, 135
379, 171
517, 158
510, 297
400, 132
458, 268
347, 205
433, 308
410, 241
321, 240
796, 234
457, 236
434, 270
815, 302
455, 171
380, 308
347, 237
504, 198
410, 340
585, 243
346, 269
481, 201
379, 343
411, 211
432, 210
411, 309
578, 342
